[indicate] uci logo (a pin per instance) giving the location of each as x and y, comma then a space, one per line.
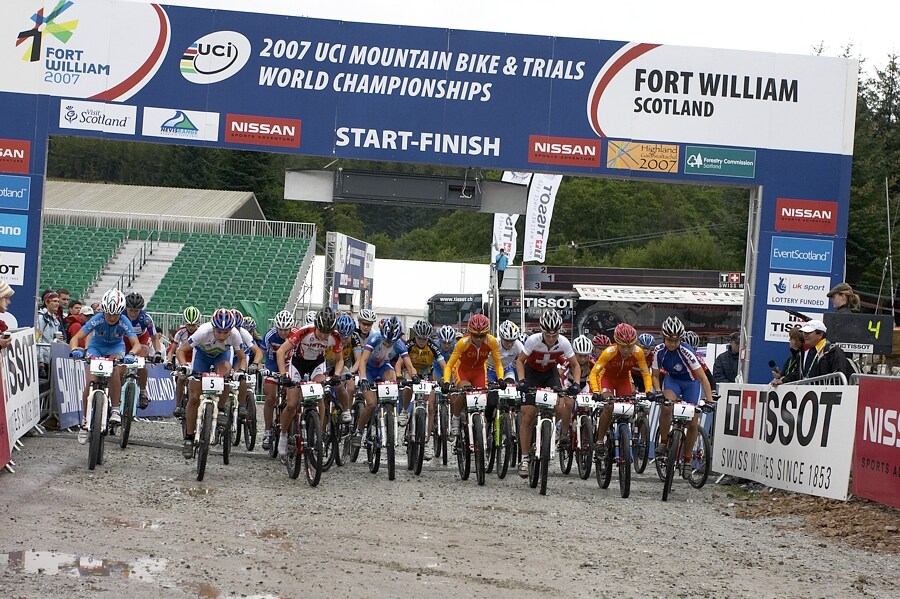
215, 57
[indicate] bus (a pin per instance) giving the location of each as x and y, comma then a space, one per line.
454, 309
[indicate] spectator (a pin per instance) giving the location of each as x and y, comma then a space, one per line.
75, 320
74, 306
844, 299
6, 293
97, 308
501, 261
63, 302
791, 370
725, 369
820, 356
46, 327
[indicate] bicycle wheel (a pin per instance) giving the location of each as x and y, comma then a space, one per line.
671, 459
604, 466
640, 444
352, 451
312, 450
127, 412
230, 411
250, 423
373, 444
504, 448
534, 469
421, 421
463, 457
340, 457
586, 451
517, 425
96, 436
445, 431
206, 424
490, 443
546, 440
276, 434
566, 455
328, 435
660, 461
701, 460
389, 430
294, 447
236, 426
624, 459
478, 446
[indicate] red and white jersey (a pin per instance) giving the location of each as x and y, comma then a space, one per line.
542, 358
309, 347
181, 335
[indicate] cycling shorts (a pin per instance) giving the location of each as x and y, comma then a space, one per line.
537, 378
507, 376
202, 361
476, 376
374, 373
617, 385
298, 369
688, 391
96, 350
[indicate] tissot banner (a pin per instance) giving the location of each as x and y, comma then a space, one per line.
505, 235
20, 379
541, 198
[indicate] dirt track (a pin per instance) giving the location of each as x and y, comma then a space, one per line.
142, 526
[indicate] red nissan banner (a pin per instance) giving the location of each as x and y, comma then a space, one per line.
4, 430
876, 459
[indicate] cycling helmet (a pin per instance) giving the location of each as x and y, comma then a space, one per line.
422, 329
478, 325
551, 321
222, 319
191, 315
249, 324
391, 329
692, 339
113, 302
345, 325
508, 331
311, 317
600, 340
134, 301
238, 318
447, 334
325, 319
366, 315
646, 340
582, 345
284, 320
672, 327
625, 334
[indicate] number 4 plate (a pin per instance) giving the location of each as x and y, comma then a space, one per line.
212, 382
312, 391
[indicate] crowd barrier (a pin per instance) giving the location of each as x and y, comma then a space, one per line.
20, 391
876, 459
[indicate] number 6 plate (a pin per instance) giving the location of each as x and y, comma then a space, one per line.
212, 382
545, 398
101, 366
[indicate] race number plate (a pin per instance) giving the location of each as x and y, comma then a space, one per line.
101, 367
585, 401
621, 408
312, 391
139, 362
545, 398
251, 380
476, 400
509, 394
683, 411
387, 392
423, 388
212, 383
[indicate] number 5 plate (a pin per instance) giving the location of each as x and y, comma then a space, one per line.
545, 398
101, 366
212, 382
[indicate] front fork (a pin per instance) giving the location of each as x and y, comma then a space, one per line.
382, 422
469, 424
537, 436
207, 399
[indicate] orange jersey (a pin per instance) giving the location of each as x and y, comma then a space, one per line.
468, 358
612, 364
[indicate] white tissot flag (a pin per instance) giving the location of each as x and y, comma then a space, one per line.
541, 197
505, 235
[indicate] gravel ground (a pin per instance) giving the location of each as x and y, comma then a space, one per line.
141, 525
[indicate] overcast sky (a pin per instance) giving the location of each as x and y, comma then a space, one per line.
784, 26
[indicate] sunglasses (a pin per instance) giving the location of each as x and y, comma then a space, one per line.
478, 336
672, 338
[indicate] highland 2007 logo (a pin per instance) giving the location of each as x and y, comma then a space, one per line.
61, 30
215, 57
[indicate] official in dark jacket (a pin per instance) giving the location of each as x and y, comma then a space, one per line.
820, 356
725, 369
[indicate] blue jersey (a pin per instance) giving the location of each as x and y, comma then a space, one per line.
383, 354
107, 339
436, 367
271, 342
679, 364
143, 325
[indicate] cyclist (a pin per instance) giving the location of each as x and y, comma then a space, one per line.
282, 329
108, 333
692, 340
146, 332
376, 363
308, 362
191, 322
252, 350
611, 375
536, 366
684, 379
510, 348
214, 343
351, 350
647, 342
583, 348
601, 342
467, 364
446, 343
423, 353
365, 320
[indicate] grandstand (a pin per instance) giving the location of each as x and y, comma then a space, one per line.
182, 246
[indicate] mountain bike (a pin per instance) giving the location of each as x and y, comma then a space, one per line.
618, 445
304, 441
471, 434
359, 403
334, 431
207, 427
129, 402
381, 431
696, 471
441, 431
640, 434
246, 427
98, 409
543, 445
280, 403
504, 438
417, 429
583, 428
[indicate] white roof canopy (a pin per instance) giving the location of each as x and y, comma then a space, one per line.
661, 295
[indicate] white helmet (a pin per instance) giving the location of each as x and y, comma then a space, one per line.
583, 345
284, 320
551, 321
367, 315
311, 317
672, 327
113, 302
508, 331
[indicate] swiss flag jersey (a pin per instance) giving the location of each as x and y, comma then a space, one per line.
542, 358
309, 347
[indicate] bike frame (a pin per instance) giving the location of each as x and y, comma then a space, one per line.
131, 380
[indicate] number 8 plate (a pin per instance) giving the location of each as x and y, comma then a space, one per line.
544, 398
